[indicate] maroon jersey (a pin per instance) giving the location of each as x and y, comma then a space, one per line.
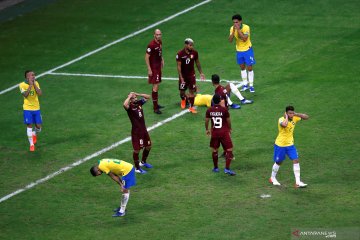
136, 116
187, 63
218, 116
222, 92
154, 50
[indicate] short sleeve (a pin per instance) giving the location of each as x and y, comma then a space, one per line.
231, 29
37, 84
22, 88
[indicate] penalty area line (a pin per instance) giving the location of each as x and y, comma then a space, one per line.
91, 156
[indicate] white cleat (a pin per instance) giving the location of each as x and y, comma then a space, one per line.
300, 185
274, 182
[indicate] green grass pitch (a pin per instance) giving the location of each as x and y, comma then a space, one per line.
307, 54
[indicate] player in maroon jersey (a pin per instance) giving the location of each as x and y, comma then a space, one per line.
225, 91
185, 59
220, 133
139, 135
155, 62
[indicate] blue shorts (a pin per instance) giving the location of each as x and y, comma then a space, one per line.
281, 152
129, 179
31, 117
246, 57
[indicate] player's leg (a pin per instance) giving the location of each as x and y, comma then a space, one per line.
137, 143
146, 151
241, 61
128, 181
192, 91
214, 146
154, 96
279, 157
250, 61
38, 122
182, 89
228, 146
237, 93
293, 155
28, 121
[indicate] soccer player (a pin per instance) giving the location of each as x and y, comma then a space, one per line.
122, 173
284, 145
185, 59
139, 135
220, 133
30, 89
155, 63
223, 92
244, 51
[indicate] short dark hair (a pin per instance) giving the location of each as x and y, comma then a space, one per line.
26, 72
93, 170
215, 79
216, 99
237, 16
289, 108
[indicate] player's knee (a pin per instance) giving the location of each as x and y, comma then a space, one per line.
229, 154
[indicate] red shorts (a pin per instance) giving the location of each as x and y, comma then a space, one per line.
224, 139
156, 76
140, 140
190, 82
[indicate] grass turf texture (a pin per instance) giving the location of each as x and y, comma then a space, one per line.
307, 55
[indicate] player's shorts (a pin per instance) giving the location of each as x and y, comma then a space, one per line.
156, 77
32, 117
190, 83
281, 152
129, 179
246, 57
224, 140
140, 140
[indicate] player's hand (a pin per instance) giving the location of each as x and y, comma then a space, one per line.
208, 133
162, 63
182, 80
150, 72
285, 116
202, 77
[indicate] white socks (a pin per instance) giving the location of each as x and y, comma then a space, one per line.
275, 169
236, 91
124, 201
251, 78
29, 132
228, 100
244, 77
296, 167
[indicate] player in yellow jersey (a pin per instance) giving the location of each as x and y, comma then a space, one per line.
244, 51
284, 145
203, 100
30, 89
123, 173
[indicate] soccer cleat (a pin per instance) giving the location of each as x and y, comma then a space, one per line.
141, 171
147, 165
157, 111
245, 101
183, 103
34, 138
244, 88
32, 148
235, 106
252, 89
300, 185
117, 209
229, 172
274, 182
192, 110
215, 170
159, 106
119, 214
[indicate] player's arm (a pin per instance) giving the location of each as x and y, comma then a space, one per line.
26, 92
228, 120
146, 96
286, 121
207, 126
147, 60
126, 103
179, 71
116, 179
222, 103
242, 36
232, 34
198, 65
303, 116
37, 89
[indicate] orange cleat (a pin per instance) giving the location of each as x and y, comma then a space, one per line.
183, 103
32, 148
192, 110
34, 138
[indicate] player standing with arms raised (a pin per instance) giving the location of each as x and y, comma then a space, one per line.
155, 63
284, 145
185, 59
30, 89
139, 135
244, 51
220, 133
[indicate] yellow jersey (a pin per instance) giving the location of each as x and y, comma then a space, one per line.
242, 46
31, 102
285, 137
203, 100
117, 167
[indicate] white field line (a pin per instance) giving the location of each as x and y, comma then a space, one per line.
114, 42
69, 167
124, 76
